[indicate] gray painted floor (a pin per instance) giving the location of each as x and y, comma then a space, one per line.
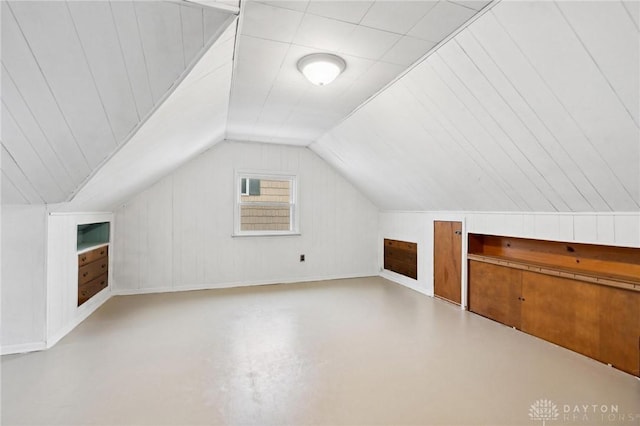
359, 351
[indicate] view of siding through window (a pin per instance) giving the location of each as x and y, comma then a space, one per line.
265, 205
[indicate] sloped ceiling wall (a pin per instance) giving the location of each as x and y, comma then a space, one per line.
533, 107
78, 79
192, 119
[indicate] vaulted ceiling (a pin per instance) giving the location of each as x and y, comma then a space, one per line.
444, 104
533, 107
79, 78
272, 102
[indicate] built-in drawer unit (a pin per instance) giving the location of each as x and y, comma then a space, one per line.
93, 255
93, 271
91, 288
401, 257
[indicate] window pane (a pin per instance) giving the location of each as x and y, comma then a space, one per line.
254, 186
266, 205
267, 191
265, 218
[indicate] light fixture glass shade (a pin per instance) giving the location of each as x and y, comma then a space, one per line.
321, 68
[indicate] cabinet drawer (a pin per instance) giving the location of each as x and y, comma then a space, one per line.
93, 255
91, 288
92, 270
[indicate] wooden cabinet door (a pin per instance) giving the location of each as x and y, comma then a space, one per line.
447, 260
620, 328
495, 292
562, 311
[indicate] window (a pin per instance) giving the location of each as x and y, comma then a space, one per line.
250, 186
265, 204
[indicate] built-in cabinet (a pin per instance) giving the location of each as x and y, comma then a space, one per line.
401, 257
92, 241
582, 297
93, 272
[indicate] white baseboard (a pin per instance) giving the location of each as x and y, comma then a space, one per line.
404, 281
84, 311
213, 286
23, 348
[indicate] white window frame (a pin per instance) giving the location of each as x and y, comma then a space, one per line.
294, 209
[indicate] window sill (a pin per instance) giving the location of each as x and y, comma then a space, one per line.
266, 234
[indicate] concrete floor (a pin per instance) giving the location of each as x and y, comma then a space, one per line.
356, 352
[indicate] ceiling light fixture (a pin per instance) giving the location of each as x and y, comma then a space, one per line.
321, 68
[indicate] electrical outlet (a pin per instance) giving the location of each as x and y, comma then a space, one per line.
302, 258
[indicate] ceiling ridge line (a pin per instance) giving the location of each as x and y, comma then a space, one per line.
53, 96
564, 107
526, 102
496, 122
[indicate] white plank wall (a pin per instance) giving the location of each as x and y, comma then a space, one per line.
177, 234
24, 233
618, 229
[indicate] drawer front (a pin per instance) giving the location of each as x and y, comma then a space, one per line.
92, 270
91, 288
93, 255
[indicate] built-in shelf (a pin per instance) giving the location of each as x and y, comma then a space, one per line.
93, 259
92, 235
574, 274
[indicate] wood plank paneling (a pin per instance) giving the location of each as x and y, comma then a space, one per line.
177, 234
523, 105
83, 74
68, 74
98, 36
447, 260
401, 257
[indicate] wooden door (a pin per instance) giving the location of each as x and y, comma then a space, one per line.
562, 311
447, 260
620, 328
495, 292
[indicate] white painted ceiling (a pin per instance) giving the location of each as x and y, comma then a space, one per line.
272, 102
79, 78
533, 107
191, 119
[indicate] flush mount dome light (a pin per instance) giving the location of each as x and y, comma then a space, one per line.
321, 68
